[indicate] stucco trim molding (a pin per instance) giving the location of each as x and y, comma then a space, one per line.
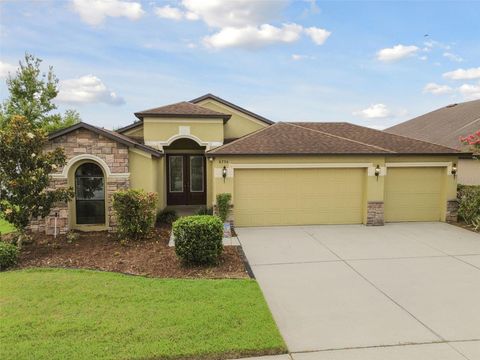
98, 160
446, 164
160, 144
369, 166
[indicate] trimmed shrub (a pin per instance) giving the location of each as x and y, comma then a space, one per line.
469, 205
205, 211
166, 217
198, 239
8, 255
135, 211
223, 205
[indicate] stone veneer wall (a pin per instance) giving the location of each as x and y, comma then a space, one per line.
81, 142
375, 212
452, 211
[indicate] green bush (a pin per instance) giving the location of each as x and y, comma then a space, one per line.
198, 239
8, 255
135, 211
205, 211
166, 217
223, 205
469, 205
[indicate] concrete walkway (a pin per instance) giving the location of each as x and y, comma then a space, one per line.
356, 292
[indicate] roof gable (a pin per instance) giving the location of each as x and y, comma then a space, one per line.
122, 139
233, 106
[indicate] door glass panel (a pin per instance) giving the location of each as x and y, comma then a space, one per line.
176, 173
196, 173
90, 194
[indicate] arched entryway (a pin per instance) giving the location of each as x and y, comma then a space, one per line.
89, 194
186, 173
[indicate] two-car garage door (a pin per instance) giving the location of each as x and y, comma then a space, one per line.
298, 196
266, 197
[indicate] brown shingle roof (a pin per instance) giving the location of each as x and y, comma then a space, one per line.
443, 126
109, 134
182, 109
326, 138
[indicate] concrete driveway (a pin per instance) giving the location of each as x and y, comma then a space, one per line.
357, 292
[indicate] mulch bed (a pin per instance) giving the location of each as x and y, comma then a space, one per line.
103, 251
464, 225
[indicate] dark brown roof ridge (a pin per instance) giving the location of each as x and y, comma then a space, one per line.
182, 109
106, 133
241, 138
341, 137
232, 105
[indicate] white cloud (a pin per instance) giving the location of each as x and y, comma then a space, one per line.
463, 74
437, 89
253, 37
6, 68
238, 13
242, 23
94, 12
174, 13
298, 57
168, 12
470, 91
87, 89
318, 36
375, 111
397, 52
453, 57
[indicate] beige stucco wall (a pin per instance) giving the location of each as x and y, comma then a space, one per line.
239, 124
374, 187
158, 131
147, 173
469, 171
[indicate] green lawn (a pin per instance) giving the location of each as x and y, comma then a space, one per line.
5, 227
81, 314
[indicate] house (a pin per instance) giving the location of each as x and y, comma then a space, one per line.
285, 173
445, 126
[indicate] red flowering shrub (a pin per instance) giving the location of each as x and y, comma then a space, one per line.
472, 140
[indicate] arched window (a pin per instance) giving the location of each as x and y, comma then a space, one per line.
90, 194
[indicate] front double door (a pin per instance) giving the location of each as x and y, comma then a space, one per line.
186, 179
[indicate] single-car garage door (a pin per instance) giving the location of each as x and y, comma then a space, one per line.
413, 194
264, 197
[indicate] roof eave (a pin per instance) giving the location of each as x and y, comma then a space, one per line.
225, 117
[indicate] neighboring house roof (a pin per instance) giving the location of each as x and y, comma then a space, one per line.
112, 135
326, 138
233, 106
182, 109
443, 126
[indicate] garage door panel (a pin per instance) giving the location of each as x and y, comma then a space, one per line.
265, 197
413, 194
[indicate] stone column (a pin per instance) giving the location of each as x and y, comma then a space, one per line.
375, 210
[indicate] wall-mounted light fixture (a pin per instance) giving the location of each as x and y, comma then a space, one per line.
377, 171
454, 170
211, 158
224, 173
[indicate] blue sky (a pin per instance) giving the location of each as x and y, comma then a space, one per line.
364, 62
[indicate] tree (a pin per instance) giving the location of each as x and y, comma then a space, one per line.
24, 173
31, 96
